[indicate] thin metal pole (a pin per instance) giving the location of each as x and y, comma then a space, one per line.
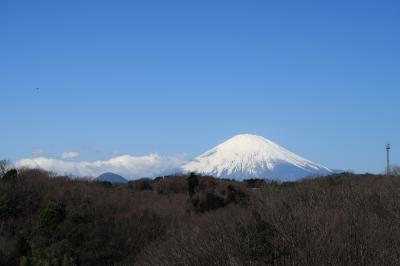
387, 159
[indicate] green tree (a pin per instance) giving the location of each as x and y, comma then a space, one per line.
193, 183
52, 215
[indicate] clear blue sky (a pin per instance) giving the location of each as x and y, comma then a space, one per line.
321, 78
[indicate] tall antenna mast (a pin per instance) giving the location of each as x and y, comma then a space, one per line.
387, 159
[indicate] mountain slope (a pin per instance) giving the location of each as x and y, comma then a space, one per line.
111, 177
251, 156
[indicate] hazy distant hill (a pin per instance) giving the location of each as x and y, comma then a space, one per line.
111, 177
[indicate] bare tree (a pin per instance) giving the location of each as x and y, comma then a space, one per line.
5, 165
395, 170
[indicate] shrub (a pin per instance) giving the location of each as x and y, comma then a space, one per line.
10, 176
171, 185
258, 241
255, 183
141, 184
7, 206
52, 215
105, 183
210, 202
236, 196
193, 183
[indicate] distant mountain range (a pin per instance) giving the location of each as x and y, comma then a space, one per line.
112, 178
251, 156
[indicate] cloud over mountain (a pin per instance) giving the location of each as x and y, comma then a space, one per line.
128, 166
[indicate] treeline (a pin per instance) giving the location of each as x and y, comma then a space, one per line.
343, 219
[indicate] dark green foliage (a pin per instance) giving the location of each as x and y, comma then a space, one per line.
10, 176
7, 206
158, 178
211, 202
236, 196
258, 241
39, 258
171, 185
51, 216
105, 183
193, 183
206, 194
141, 184
255, 183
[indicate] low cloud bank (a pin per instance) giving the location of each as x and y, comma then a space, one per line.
131, 167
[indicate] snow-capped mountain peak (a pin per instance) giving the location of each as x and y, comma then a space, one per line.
252, 156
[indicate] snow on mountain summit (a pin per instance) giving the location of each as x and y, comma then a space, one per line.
251, 156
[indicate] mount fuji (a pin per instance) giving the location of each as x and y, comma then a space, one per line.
251, 156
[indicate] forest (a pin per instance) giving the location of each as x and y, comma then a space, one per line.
341, 219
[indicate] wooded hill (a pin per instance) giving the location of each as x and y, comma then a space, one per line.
343, 219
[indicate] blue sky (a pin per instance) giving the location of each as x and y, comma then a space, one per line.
320, 78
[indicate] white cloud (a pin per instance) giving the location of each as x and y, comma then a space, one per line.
131, 167
69, 155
